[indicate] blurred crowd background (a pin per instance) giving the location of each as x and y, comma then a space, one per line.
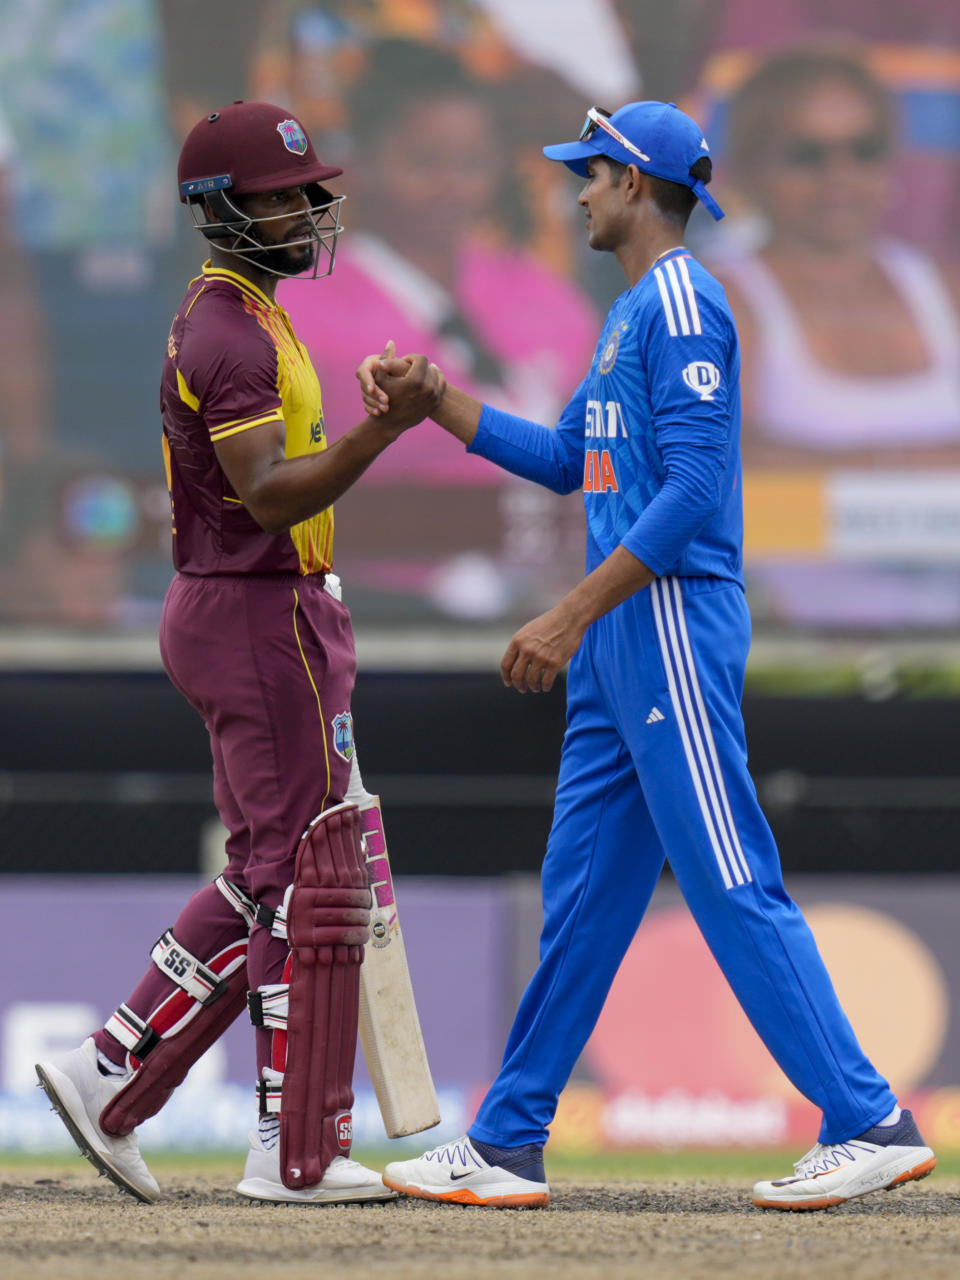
835, 131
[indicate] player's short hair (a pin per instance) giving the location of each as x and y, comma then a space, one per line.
758, 107
675, 201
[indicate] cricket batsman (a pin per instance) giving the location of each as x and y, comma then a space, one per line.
255, 636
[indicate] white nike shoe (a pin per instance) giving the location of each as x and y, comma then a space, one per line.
469, 1172
884, 1157
344, 1182
79, 1092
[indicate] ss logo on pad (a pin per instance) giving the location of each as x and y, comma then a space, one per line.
176, 962
344, 1129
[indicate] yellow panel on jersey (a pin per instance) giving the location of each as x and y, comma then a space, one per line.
303, 416
186, 395
234, 364
244, 424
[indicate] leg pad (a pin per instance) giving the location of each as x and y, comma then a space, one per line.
327, 923
167, 1060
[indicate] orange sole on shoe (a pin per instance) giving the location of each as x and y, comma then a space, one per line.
530, 1200
827, 1202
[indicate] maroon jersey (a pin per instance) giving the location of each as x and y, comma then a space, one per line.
234, 363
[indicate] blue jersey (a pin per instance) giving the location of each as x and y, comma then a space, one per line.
652, 434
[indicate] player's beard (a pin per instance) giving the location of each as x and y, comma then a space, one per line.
288, 260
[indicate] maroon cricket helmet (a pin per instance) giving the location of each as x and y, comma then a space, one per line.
246, 148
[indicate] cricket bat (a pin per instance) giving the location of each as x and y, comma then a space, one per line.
389, 1026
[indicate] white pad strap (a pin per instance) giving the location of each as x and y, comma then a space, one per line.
243, 905
269, 1090
176, 963
136, 1036
269, 1004
275, 920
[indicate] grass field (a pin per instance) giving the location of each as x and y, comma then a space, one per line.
628, 1166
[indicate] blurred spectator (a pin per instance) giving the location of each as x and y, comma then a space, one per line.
427, 261
585, 42
80, 85
911, 47
670, 42
66, 534
851, 359
208, 57
24, 400
850, 339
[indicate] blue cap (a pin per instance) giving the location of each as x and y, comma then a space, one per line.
670, 140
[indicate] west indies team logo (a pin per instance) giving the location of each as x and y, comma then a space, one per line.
343, 743
294, 139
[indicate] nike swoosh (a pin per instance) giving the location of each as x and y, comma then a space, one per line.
823, 1172
457, 1177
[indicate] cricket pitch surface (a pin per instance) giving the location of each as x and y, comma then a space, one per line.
69, 1224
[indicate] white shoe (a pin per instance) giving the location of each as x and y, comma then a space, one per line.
344, 1182
883, 1157
79, 1092
468, 1172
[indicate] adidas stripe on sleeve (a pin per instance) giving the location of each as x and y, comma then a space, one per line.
689, 348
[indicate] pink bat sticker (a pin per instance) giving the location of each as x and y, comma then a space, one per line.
375, 849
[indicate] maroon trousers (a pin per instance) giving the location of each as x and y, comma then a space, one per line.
269, 663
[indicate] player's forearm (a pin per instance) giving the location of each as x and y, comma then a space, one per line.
527, 449
544, 646
280, 492
617, 578
458, 413
289, 490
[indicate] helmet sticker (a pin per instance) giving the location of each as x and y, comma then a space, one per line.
294, 139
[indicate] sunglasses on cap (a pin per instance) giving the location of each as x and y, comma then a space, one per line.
596, 119
816, 153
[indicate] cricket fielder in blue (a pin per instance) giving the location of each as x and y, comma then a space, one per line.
654, 761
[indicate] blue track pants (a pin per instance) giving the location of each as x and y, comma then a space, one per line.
654, 766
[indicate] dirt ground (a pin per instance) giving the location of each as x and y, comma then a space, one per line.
73, 1225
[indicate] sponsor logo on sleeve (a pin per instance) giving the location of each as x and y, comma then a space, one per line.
702, 377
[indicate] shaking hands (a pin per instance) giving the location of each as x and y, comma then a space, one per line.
400, 391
